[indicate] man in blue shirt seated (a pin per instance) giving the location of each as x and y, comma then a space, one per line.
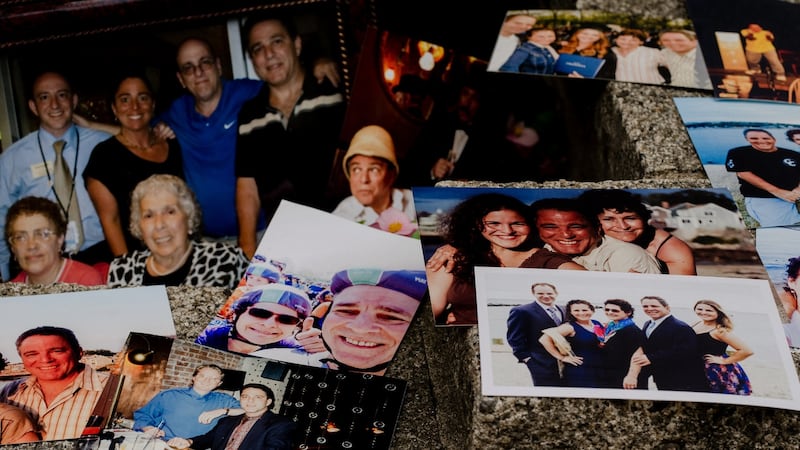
188, 411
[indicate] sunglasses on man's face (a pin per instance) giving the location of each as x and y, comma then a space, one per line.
283, 319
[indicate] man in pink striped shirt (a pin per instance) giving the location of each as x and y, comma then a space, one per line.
61, 392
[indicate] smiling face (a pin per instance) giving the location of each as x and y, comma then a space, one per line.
654, 308
567, 232
371, 181
544, 294
614, 312
38, 256
366, 324
266, 323
48, 358
706, 313
543, 37
53, 102
581, 312
206, 380
796, 138
199, 71
628, 42
274, 53
678, 42
133, 104
164, 225
254, 401
587, 37
625, 226
761, 141
517, 25
505, 229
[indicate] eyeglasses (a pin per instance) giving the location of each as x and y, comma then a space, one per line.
265, 314
499, 225
22, 238
204, 65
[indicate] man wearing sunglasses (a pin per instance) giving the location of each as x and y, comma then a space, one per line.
261, 319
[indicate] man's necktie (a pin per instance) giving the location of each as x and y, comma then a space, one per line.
554, 314
650, 327
64, 187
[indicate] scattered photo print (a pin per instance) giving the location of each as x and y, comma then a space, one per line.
667, 231
632, 336
184, 390
602, 45
69, 342
779, 249
752, 148
750, 52
323, 291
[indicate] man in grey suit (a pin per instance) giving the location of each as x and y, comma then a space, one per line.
525, 325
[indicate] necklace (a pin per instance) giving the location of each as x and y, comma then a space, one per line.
151, 141
151, 265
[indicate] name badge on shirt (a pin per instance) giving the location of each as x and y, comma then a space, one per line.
71, 238
40, 169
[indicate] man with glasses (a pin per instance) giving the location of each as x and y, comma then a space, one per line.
187, 411
28, 168
263, 318
524, 328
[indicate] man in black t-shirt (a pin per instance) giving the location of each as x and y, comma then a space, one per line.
769, 178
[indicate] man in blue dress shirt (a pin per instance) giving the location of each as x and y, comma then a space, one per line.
188, 411
26, 168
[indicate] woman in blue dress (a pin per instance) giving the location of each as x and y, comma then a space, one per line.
580, 350
714, 334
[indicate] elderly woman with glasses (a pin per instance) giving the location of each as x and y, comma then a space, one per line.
263, 318
35, 229
164, 215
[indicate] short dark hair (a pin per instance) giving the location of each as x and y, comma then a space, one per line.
209, 366
563, 204
756, 130
28, 206
533, 286
268, 391
42, 73
123, 74
792, 133
570, 317
47, 330
657, 298
262, 16
793, 268
624, 305
638, 34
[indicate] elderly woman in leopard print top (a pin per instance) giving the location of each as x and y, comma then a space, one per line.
164, 215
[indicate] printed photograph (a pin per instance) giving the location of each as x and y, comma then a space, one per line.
602, 45
664, 231
323, 291
632, 336
779, 249
442, 112
56, 356
750, 52
176, 394
751, 148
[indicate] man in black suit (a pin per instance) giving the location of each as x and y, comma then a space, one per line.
525, 325
258, 428
669, 352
